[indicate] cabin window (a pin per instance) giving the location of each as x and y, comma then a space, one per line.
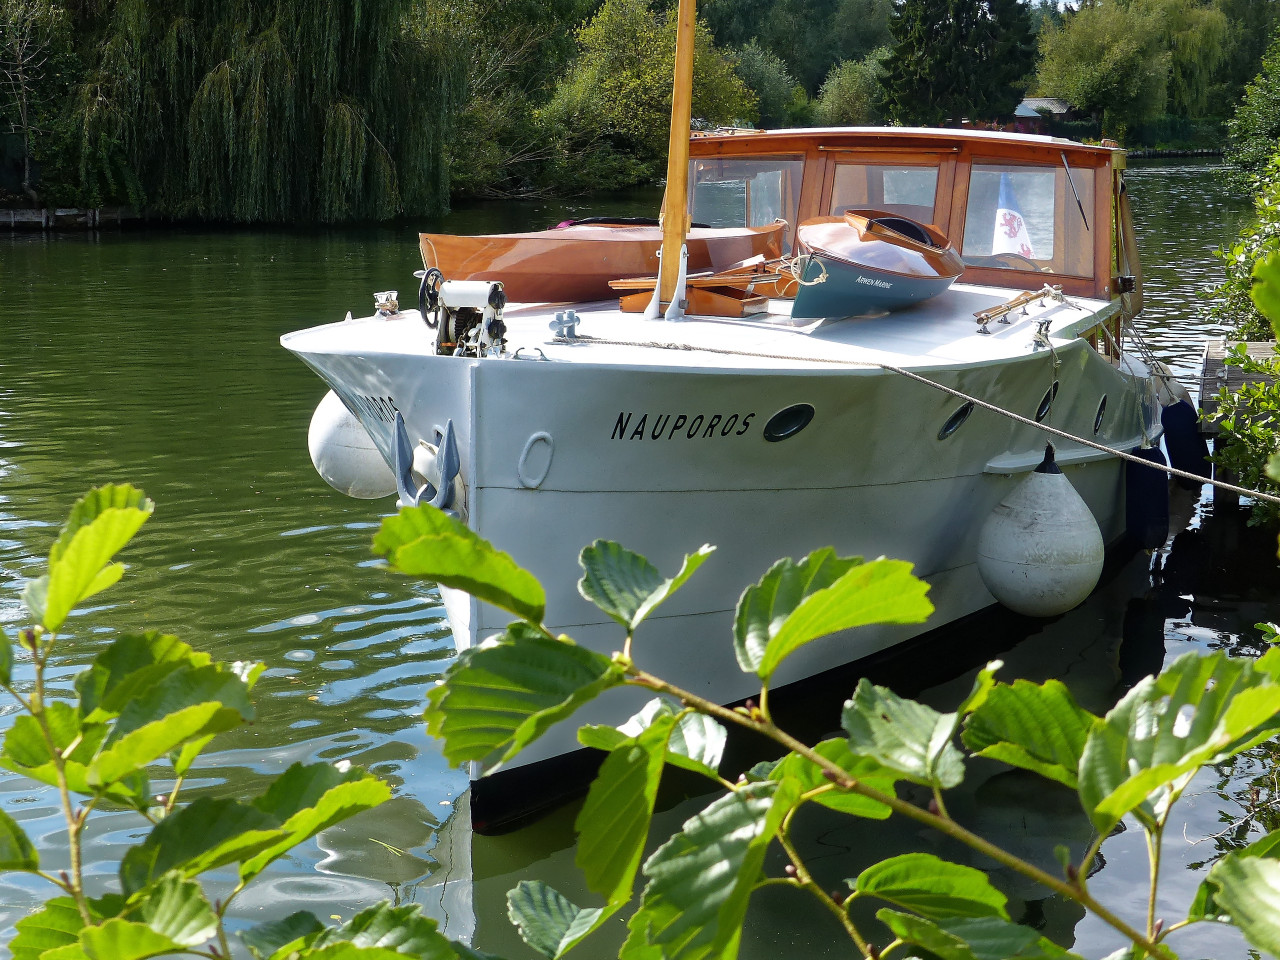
746, 191
1023, 217
908, 191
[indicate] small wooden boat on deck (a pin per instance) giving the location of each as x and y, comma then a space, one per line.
574, 262
868, 262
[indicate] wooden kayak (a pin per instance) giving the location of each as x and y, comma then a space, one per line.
869, 262
575, 262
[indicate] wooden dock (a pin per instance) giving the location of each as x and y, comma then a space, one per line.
1215, 374
65, 218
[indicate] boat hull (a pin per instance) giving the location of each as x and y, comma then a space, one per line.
665, 460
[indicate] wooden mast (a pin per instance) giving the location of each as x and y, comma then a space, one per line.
675, 203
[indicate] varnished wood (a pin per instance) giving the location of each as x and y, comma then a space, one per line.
675, 218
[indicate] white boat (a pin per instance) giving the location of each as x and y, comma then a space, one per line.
567, 423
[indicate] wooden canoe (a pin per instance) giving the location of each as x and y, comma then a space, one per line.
575, 263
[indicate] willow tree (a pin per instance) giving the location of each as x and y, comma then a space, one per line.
273, 110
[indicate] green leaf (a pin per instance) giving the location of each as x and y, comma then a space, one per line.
905, 736
932, 887
130, 666
176, 908
1205, 905
309, 798
57, 924
27, 752
765, 606
16, 851
1248, 889
125, 940
614, 821
548, 921
100, 524
972, 938
6, 660
867, 771
187, 704
700, 879
403, 931
425, 542
696, 742
1037, 727
1201, 709
1265, 292
206, 834
882, 591
625, 585
152, 741
267, 938
503, 695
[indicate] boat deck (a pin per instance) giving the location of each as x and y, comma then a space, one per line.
940, 332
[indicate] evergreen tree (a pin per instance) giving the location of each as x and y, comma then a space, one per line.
957, 59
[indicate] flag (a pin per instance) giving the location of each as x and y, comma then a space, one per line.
1011, 229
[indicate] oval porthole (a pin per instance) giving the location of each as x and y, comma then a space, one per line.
1046, 404
955, 421
788, 421
1102, 412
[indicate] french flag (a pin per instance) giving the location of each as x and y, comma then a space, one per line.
1011, 229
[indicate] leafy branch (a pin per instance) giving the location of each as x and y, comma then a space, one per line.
1134, 762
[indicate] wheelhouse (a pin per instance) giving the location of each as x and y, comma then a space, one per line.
1021, 210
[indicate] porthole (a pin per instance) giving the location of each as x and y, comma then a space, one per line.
955, 421
1102, 412
788, 421
1046, 404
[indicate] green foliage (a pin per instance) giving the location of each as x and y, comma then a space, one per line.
610, 115
625, 585
1134, 761
1249, 428
1231, 302
955, 59
1108, 60
808, 37
767, 77
278, 111
1252, 133
850, 96
149, 699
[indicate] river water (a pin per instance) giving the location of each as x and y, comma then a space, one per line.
152, 357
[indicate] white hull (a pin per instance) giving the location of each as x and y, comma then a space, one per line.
556, 454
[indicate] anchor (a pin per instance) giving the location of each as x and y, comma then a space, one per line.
439, 494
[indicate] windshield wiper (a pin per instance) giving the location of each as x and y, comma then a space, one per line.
1066, 166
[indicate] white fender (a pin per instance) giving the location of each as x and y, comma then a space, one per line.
1040, 552
343, 454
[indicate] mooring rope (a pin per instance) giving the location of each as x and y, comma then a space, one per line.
959, 394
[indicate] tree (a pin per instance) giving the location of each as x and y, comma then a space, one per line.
1110, 60
809, 36
31, 31
1255, 129
850, 93
611, 113
766, 76
272, 111
954, 59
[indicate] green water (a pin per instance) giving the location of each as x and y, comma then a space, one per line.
152, 356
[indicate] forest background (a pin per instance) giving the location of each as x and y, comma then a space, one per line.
280, 111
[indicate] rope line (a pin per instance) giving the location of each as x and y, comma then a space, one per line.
959, 394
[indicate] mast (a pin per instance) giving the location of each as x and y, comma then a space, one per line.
675, 202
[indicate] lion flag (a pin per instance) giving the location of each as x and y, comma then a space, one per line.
1011, 229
